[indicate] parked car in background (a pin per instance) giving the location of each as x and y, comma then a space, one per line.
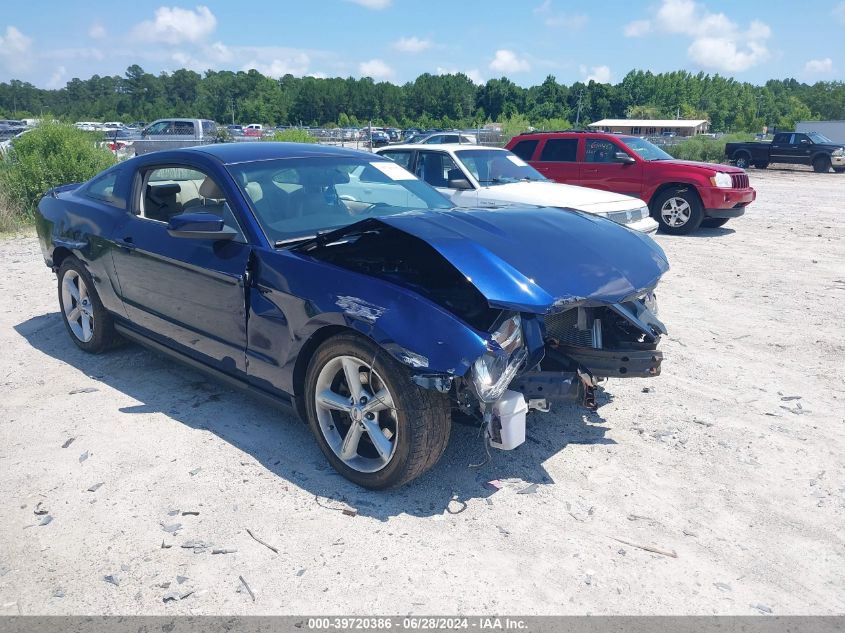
336, 283
376, 138
253, 129
175, 133
235, 130
794, 148
682, 195
440, 138
477, 176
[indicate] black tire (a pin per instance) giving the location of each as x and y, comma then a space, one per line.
742, 160
689, 196
761, 165
821, 164
421, 416
103, 335
714, 223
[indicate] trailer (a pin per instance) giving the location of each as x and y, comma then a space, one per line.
834, 130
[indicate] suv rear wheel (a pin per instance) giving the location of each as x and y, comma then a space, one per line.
678, 210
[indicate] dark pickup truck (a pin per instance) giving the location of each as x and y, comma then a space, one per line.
796, 148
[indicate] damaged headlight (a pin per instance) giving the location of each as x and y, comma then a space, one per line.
497, 367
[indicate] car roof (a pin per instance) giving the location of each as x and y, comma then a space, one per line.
230, 153
452, 147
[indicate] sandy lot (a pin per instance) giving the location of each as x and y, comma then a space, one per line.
732, 459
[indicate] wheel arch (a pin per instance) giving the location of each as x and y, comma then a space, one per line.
671, 185
303, 358
60, 254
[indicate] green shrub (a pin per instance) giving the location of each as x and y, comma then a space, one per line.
50, 155
293, 135
704, 148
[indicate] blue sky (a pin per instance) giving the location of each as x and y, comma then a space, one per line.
397, 40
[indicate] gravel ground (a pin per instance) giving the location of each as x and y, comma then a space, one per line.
718, 487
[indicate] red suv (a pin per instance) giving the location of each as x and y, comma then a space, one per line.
682, 195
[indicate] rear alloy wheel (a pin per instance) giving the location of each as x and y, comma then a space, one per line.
742, 160
714, 223
821, 165
89, 324
375, 426
678, 211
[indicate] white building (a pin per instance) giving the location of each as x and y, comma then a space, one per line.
652, 127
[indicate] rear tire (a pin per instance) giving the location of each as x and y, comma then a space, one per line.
761, 165
678, 211
742, 160
821, 165
89, 324
714, 223
403, 435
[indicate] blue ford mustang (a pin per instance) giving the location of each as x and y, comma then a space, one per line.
335, 282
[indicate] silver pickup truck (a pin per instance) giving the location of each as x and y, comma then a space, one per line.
175, 133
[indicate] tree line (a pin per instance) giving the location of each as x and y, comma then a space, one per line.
428, 101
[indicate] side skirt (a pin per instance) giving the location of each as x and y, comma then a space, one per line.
281, 402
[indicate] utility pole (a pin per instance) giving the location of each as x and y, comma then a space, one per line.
233, 111
578, 113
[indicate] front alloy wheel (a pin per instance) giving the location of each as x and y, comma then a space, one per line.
376, 426
356, 414
678, 211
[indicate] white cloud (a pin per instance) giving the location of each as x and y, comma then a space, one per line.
839, 12
718, 42
57, 79
376, 69
174, 25
97, 31
507, 61
293, 64
373, 4
14, 50
473, 74
412, 44
637, 28
599, 74
819, 66
572, 21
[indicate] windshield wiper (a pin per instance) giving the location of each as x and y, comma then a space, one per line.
293, 241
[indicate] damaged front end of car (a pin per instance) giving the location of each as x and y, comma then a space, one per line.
561, 301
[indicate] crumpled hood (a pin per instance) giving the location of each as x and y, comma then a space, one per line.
539, 259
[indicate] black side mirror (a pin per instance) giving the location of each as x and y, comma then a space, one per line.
622, 157
462, 184
199, 226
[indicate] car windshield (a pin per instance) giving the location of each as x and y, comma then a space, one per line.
820, 139
297, 198
644, 149
496, 167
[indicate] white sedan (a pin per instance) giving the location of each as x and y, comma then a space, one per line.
478, 176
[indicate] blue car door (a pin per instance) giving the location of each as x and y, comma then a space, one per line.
187, 293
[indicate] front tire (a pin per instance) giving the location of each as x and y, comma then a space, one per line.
678, 211
89, 324
821, 165
375, 426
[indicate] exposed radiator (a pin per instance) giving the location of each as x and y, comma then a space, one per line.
568, 329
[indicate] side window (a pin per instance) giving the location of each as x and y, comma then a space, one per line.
403, 158
159, 128
208, 128
183, 128
102, 189
781, 138
169, 191
435, 167
801, 138
599, 150
560, 150
525, 149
